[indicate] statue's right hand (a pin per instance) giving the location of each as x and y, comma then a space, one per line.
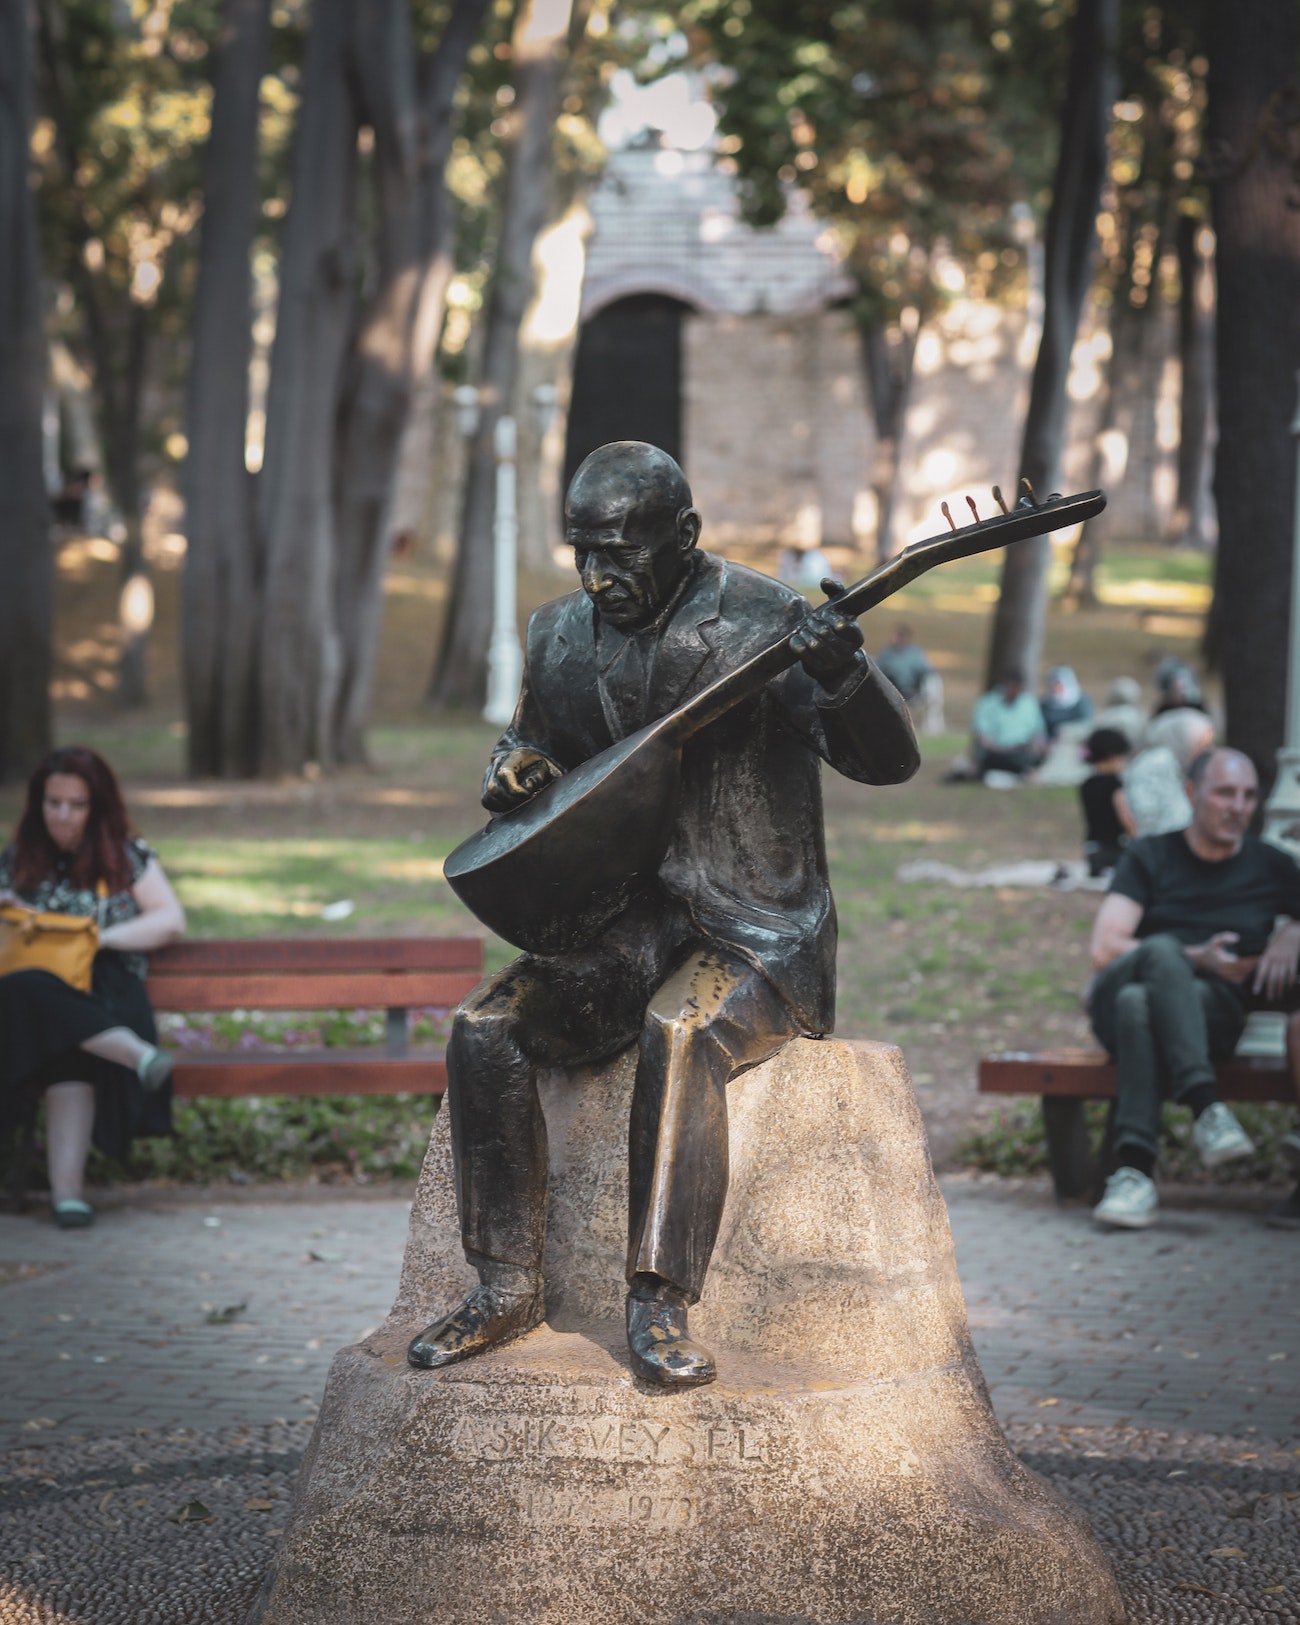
516, 777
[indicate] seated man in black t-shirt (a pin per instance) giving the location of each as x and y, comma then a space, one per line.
1185, 941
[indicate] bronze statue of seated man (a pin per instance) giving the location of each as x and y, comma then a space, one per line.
732, 951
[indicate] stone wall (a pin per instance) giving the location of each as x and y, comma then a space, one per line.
779, 438
777, 433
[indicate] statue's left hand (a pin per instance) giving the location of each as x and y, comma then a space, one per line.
517, 777
828, 640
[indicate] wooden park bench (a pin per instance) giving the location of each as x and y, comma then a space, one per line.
1067, 1079
393, 974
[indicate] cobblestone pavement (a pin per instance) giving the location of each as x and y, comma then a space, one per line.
109, 1328
1152, 1377
1194, 1324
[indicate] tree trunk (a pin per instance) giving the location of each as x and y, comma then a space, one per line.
539, 52
1120, 389
219, 613
397, 339
1020, 621
298, 650
1252, 50
135, 603
26, 602
1196, 351
887, 361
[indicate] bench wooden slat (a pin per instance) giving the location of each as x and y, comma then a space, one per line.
310, 1072
1081, 1074
209, 956
364, 990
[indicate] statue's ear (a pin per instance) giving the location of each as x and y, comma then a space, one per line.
688, 528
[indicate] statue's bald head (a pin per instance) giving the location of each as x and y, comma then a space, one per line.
630, 522
628, 477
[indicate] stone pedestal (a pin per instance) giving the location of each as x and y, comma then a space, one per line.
845, 1469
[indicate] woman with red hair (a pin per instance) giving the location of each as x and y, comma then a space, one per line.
93, 1055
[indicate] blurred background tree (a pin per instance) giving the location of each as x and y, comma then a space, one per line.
125, 103
920, 133
25, 572
346, 198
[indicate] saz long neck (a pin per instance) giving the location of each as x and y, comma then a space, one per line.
1017, 526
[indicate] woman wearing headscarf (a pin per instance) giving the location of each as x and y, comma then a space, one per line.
1063, 700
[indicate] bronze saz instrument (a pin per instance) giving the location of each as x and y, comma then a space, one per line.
549, 875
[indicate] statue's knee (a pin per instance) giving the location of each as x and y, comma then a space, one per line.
668, 1028
483, 1019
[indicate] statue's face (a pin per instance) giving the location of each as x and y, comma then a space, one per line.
630, 561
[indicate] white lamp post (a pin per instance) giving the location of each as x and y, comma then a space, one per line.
505, 656
464, 400
1282, 813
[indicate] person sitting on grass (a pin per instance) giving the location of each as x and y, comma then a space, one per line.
905, 663
1062, 701
1107, 822
1185, 941
1008, 734
93, 1056
1123, 710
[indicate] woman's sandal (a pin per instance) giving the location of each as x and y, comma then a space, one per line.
73, 1215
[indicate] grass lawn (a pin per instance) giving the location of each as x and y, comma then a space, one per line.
947, 973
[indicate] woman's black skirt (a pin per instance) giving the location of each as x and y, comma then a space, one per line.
42, 1023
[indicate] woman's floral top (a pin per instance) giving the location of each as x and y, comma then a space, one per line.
57, 895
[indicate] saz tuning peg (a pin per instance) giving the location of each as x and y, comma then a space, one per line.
946, 511
975, 513
1000, 499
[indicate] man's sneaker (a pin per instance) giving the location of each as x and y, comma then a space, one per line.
1219, 1137
1289, 1146
1130, 1202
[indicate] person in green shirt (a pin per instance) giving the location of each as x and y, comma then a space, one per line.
1008, 734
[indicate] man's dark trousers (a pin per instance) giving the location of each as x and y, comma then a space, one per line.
1166, 1026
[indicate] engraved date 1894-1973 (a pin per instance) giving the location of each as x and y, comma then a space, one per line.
609, 1506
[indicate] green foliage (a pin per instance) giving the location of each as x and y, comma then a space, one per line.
123, 115
1013, 1142
330, 1137
476, 169
908, 127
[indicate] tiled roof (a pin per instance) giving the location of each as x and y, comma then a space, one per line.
665, 221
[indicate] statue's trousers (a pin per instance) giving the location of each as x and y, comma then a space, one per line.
701, 1013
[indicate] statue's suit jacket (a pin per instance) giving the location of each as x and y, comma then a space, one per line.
748, 855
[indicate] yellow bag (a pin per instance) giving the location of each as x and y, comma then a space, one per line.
65, 944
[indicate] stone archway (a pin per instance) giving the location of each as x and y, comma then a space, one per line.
627, 378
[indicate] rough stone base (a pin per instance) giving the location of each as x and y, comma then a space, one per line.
846, 1469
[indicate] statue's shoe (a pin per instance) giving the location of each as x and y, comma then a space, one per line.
489, 1315
661, 1346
